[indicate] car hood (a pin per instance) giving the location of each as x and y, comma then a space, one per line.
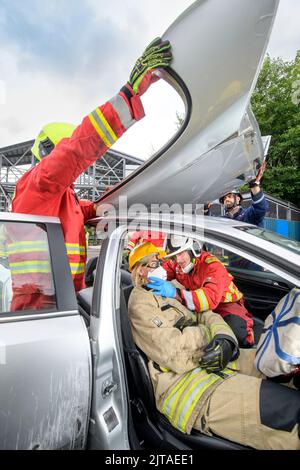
218, 49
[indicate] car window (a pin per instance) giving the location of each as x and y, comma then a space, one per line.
26, 281
272, 237
237, 264
164, 115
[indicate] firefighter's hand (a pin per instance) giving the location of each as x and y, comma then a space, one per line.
161, 287
157, 55
217, 354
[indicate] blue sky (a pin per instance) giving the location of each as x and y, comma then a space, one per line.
61, 58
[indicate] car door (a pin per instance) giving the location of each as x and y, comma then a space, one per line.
109, 409
218, 48
45, 360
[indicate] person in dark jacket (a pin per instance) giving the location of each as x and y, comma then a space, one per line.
232, 202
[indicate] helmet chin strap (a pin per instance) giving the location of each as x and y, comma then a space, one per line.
189, 267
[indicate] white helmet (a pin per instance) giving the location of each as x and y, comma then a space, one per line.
177, 244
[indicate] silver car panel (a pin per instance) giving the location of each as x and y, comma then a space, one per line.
109, 411
45, 362
45, 384
218, 50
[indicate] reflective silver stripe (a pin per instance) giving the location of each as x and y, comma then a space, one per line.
194, 396
168, 402
121, 108
103, 128
189, 299
259, 200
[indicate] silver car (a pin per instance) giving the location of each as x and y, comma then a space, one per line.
71, 376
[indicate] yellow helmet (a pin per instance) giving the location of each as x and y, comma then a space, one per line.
49, 136
143, 251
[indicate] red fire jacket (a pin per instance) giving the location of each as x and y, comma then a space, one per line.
210, 287
47, 189
209, 284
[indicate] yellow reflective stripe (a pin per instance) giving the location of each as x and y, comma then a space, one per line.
191, 400
231, 288
106, 124
78, 251
213, 259
28, 250
75, 249
27, 247
30, 271
172, 393
30, 262
28, 242
74, 245
188, 394
32, 266
232, 365
99, 131
102, 127
228, 297
204, 305
77, 268
235, 291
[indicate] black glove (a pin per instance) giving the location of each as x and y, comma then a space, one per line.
217, 354
253, 183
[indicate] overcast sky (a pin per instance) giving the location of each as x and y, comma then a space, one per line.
61, 58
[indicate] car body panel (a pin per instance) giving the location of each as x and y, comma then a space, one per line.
218, 49
109, 410
45, 384
45, 360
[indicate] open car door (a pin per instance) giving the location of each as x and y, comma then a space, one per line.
218, 48
45, 360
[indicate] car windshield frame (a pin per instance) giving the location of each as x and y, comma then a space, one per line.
292, 245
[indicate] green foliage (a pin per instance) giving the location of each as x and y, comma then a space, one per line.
275, 103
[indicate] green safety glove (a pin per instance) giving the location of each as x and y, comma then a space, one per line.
157, 55
217, 354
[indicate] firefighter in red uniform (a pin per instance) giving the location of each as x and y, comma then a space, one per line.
207, 286
65, 152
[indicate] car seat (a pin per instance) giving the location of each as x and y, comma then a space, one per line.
151, 422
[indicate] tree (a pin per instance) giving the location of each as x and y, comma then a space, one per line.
275, 103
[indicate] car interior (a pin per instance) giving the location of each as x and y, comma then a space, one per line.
262, 291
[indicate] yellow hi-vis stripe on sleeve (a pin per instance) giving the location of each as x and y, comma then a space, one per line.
204, 305
75, 249
102, 127
77, 268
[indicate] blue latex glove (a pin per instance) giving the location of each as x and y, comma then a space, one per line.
161, 287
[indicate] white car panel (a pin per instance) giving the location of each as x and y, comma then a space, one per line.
218, 49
